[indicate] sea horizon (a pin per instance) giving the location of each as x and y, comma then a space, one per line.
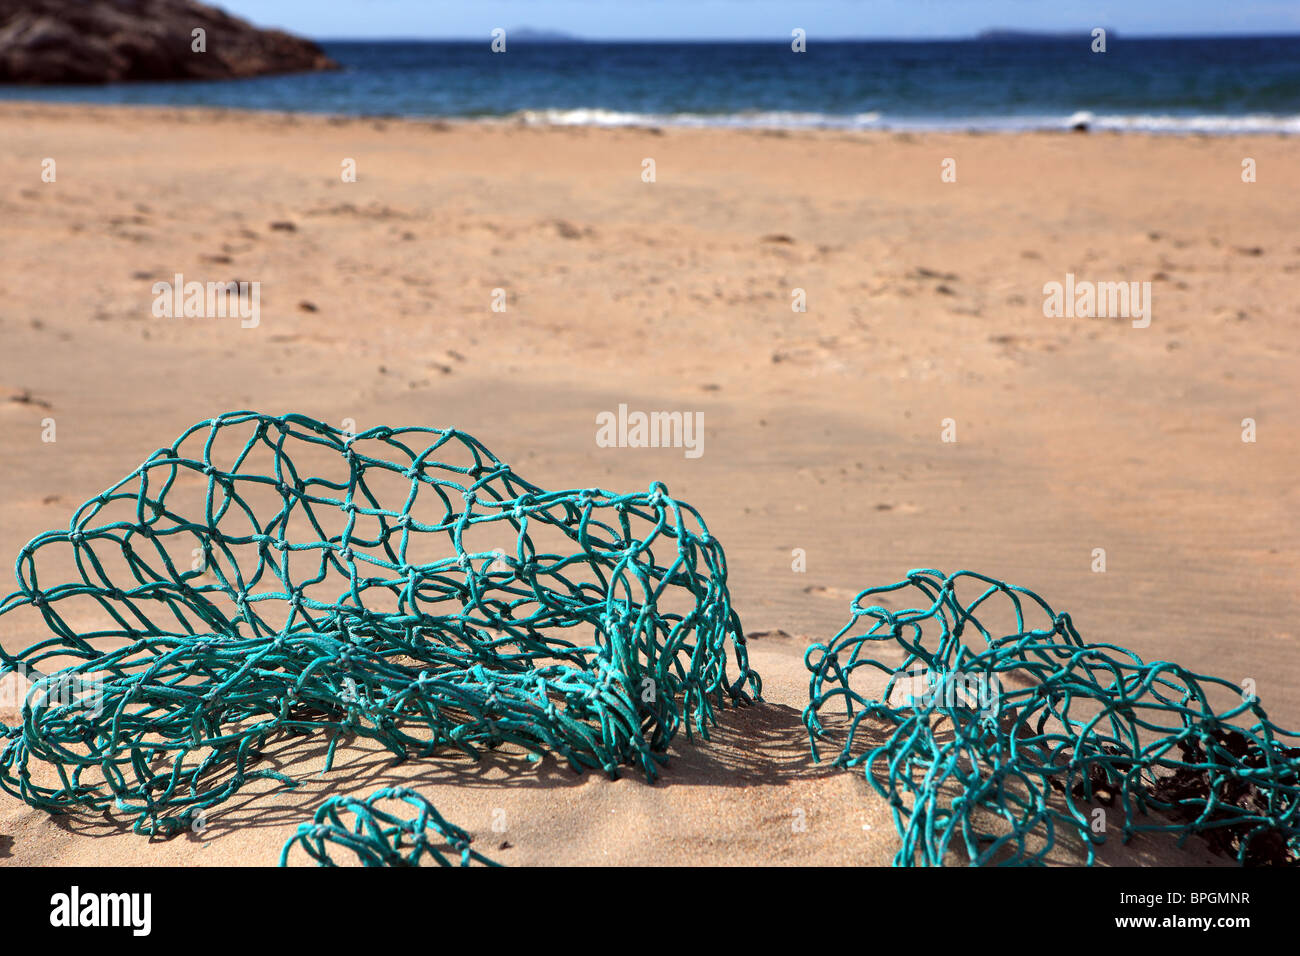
1011, 82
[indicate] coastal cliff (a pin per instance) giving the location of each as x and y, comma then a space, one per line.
110, 41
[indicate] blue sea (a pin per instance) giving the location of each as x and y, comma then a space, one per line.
1215, 85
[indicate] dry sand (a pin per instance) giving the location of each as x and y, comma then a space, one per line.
822, 429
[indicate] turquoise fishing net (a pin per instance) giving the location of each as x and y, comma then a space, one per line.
377, 832
266, 578
1001, 731
270, 580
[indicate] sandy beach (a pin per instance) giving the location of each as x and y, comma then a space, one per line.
823, 430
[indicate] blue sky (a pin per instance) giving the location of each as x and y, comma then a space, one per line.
755, 19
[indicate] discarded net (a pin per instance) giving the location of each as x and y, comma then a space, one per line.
267, 577
996, 740
380, 837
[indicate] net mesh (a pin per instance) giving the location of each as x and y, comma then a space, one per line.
269, 578
375, 832
413, 590
995, 740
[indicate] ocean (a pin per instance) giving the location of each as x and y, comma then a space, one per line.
1203, 85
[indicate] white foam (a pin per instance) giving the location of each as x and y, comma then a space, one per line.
1120, 122
748, 120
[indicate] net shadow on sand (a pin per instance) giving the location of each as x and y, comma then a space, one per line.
761, 745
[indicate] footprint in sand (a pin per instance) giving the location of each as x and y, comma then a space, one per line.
567, 230
906, 508
22, 396
921, 272
837, 594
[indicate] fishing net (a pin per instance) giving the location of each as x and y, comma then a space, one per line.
1002, 730
378, 836
266, 578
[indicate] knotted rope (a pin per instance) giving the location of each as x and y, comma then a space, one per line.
379, 837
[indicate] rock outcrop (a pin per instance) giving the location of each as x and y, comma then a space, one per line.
110, 41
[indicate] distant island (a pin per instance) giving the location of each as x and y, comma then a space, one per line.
533, 35
111, 41
1018, 36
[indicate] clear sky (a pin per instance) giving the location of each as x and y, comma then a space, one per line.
757, 19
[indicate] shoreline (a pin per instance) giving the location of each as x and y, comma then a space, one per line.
674, 123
